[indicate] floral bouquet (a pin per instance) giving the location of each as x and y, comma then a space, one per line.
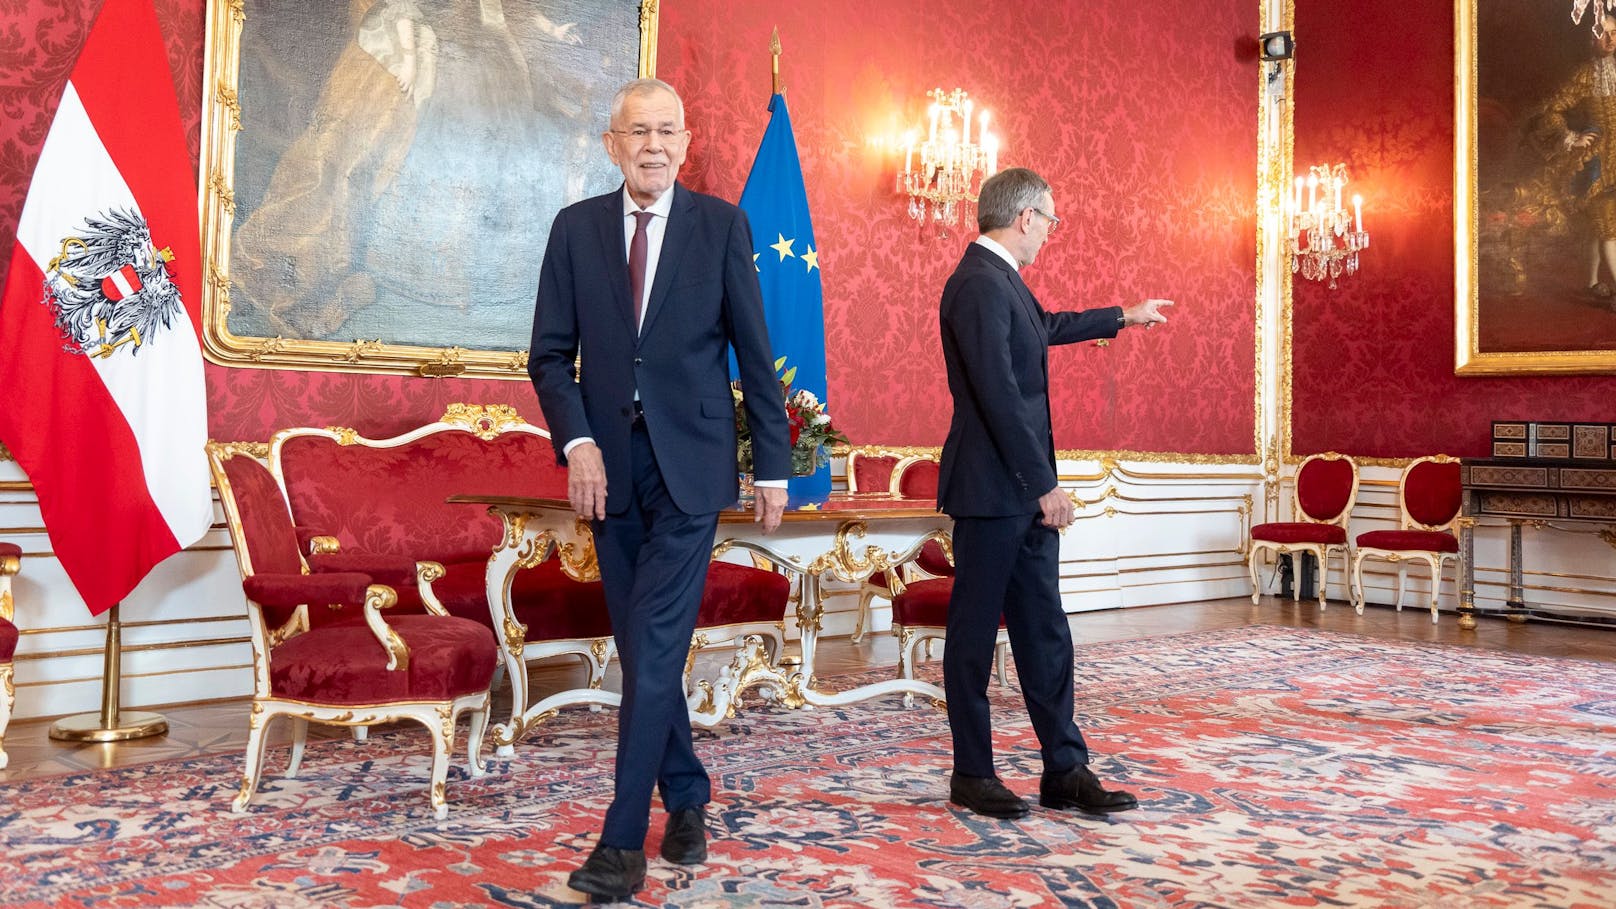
811, 428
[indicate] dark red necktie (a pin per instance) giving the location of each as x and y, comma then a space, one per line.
636, 266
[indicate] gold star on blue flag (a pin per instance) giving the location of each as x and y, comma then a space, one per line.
776, 202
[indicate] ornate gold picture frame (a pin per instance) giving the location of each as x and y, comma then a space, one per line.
1527, 192
379, 176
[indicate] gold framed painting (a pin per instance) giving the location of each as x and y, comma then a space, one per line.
379, 176
1534, 188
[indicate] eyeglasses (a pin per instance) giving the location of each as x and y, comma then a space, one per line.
640, 134
1054, 222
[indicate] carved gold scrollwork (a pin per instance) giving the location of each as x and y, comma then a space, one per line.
358, 350
508, 735
843, 564
324, 545
426, 572
1245, 525
232, 102
535, 551
707, 696
578, 560
697, 642
345, 435
446, 723
487, 421
515, 637
227, 196
255, 715
268, 347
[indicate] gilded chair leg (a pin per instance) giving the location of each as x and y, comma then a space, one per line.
300, 740
442, 744
1356, 584
1402, 577
861, 618
1321, 556
999, 651
906, 659
1256, 575
252, 761
361, 733
8, 700
1436, 587
474, 738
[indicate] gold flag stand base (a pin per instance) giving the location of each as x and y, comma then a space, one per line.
111, 724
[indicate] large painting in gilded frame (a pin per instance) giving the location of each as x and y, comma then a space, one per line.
379, 176
1534, 189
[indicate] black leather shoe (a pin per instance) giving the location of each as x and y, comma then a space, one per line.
1079, 788
684, 839
610, 873
986, 795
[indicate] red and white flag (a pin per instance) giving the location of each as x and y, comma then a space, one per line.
101, 376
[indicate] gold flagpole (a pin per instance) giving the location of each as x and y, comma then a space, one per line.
774, 53
110, 725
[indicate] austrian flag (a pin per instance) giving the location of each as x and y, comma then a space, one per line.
99, 319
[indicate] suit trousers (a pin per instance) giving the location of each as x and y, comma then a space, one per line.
1009, 567
653, 564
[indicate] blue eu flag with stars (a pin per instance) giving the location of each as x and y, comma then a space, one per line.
787, 259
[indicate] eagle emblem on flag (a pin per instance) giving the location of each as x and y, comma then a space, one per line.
109, 286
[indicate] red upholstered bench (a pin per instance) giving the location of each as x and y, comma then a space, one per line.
354, 498
10, 563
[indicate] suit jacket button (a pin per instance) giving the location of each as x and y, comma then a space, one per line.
638, 361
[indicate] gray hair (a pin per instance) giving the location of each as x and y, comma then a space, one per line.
645, 87
1005, 195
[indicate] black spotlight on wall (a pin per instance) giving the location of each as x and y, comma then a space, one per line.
1276, 46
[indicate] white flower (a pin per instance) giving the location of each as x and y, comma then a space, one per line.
821, 419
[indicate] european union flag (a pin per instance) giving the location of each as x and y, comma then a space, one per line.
788, 267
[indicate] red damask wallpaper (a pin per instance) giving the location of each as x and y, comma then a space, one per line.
1153, 164
1373, 359
1153, 160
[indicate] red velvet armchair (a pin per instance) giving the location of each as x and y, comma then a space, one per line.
10, 564
321, 648
920, 613
1326, 488
1429, 500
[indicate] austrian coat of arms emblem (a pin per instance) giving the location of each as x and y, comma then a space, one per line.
109, 287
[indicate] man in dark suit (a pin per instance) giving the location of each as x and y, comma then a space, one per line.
998, 482
648, 287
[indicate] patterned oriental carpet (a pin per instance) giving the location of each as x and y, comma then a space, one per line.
1276, 767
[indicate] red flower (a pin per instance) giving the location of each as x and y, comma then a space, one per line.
796, 430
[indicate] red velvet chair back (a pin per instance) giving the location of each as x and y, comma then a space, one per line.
266, 527
1325, 487
259, 522
870, 472
917, 478
391, 498
1430, 493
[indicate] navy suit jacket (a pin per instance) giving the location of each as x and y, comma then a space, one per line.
703, 300
999, 457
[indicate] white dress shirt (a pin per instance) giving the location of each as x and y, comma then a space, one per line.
997, 249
